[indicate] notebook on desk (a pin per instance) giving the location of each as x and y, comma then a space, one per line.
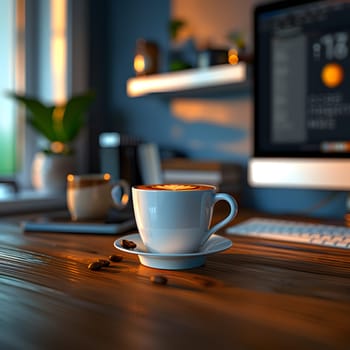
64, 224
30, 201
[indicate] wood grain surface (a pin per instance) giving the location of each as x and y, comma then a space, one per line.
256, 295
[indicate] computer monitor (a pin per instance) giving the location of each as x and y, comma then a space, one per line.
302, 95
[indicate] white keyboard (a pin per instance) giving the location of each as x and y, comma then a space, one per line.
294, 231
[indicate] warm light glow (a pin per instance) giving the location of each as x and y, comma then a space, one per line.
20, 49
125, 199
70, 177
106, 177
332, 75
221, 113
57, 116
57, 147
59, 49
58, 113
20, 72
139, 63
233, 56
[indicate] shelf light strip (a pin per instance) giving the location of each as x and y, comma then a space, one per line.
187, 79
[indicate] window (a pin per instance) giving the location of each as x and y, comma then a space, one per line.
11, 26
33, 35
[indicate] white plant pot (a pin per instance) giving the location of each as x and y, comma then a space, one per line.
49, 171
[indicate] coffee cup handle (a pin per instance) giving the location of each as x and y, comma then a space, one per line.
233, 212
120, 194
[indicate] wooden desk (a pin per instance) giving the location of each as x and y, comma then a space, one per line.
256, 295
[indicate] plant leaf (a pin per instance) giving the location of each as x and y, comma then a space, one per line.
49, 121
74, 119
39, 116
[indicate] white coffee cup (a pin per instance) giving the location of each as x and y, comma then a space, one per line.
175, 218
91, 196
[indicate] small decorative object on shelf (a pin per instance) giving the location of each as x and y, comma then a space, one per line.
183, 51
59, 125
238, 51
212, 57
146, 57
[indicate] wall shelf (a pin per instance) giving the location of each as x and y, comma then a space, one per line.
191, 82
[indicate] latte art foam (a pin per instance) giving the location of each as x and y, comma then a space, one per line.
175, 187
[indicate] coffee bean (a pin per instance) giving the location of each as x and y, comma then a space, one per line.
104, 262
94, 266
159, 279
115, 258
128, 244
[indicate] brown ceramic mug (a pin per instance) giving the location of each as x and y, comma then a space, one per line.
89, 196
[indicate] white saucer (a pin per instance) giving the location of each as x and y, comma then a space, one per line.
214, 244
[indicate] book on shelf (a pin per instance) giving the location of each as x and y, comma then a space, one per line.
225, 176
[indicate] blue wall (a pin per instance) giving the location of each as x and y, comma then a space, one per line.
150, 118
147, 117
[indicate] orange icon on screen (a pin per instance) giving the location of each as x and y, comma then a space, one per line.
332, 75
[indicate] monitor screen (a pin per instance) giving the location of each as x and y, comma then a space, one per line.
302, 94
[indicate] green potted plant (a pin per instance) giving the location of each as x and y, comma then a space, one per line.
60, 126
